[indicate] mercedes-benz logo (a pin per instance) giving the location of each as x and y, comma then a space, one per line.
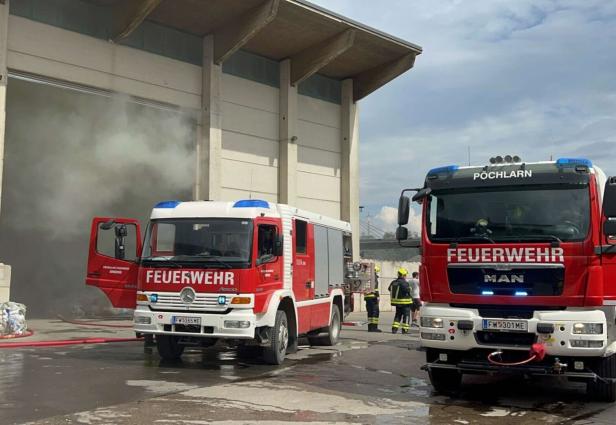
187, 295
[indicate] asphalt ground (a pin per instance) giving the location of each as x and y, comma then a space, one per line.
368, 378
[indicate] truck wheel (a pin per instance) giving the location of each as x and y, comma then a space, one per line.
445, 381
275, 352
333, 330
168, 347
599, 390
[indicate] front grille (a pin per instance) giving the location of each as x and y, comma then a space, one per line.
189, 329
517, 339
202, 302
479, 279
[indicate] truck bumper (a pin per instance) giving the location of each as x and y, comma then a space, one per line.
543, 369
236, 324
463, 329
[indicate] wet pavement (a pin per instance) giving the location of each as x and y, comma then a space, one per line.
368, 378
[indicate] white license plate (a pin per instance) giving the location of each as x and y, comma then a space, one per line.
505, 325
186, 320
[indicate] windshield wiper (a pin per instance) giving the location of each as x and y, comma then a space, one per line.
162, 261
535, 237
473, 238
203, 256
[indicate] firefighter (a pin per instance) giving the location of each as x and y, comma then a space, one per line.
400, 292
372, 303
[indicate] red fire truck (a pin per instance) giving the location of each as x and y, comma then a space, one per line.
518, 271
250, 270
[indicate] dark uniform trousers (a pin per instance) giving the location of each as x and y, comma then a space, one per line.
372, 308
401, 300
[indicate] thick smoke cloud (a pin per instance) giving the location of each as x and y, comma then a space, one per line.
71, 156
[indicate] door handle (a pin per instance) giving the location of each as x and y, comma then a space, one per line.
309, 284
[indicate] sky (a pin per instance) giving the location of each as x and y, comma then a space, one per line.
531, 78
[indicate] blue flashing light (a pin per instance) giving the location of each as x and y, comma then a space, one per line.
487, 292
573, 162
251, 203
222, 300
167, 204
153, 298
521, 293
445, 169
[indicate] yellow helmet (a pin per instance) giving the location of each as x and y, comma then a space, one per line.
402, 271
377, 268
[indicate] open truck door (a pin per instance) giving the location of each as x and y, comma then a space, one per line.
115, 248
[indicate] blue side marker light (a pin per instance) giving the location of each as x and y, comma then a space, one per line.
521, 293
487, 292
251, 203
573, 162
222, 300
153, 298
445, 169
167, 204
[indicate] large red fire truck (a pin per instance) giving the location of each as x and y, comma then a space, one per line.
250, 270
518, 271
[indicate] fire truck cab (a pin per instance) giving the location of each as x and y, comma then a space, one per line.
518, 271
251, 271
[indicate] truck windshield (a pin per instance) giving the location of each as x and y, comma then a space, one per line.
513, 214
219, 242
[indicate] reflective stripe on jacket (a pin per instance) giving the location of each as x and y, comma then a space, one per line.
400, 292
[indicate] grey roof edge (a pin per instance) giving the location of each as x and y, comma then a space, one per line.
414, 47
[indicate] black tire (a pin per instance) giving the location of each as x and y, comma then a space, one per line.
598, 390
445, 381
332, 335
275, 353
168, 347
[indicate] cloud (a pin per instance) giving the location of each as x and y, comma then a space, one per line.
530, 77
387, 220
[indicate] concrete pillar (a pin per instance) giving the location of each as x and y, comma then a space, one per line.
287, 157
5, 270
209, 132
349, 169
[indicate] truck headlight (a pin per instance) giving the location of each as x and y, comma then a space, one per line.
582, 343
432, 336
238, 324
588, 328
431, 322
143, 320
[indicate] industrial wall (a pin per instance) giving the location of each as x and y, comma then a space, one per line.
63, 68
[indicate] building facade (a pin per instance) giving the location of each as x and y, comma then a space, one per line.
108, 106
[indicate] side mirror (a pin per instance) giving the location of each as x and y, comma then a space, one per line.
120, 233
609, 198
279, 246
419, 196
609, 230
402, 233
404, 205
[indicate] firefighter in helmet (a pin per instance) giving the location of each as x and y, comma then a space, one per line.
372, 303
400, 292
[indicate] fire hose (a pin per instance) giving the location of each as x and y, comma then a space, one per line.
537, 353
63, 342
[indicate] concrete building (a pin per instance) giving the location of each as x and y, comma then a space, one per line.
112, 105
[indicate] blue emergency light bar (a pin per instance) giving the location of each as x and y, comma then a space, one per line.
487, 292
167, 204
445, 169
251, 203
573, 162
521, 293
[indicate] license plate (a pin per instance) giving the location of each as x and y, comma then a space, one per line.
186, 320
505, 325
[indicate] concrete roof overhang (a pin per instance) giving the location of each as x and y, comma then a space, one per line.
313, 38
